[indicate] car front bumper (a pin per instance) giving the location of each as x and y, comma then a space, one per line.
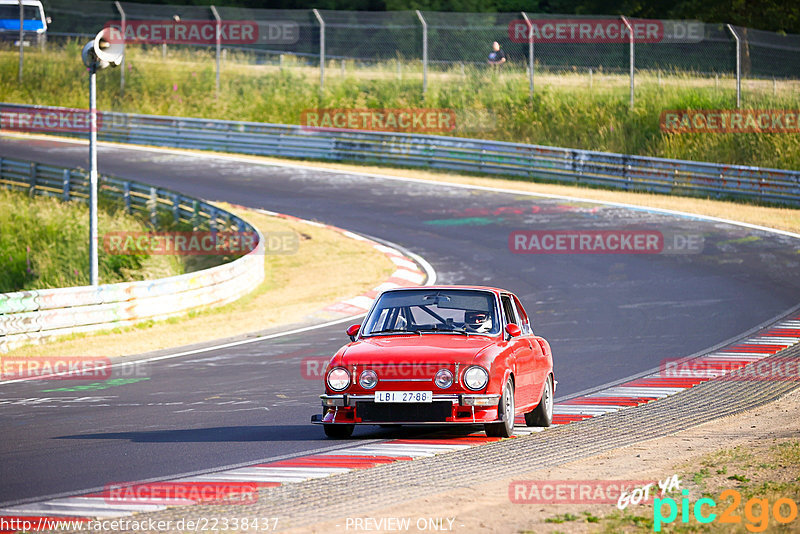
461, 408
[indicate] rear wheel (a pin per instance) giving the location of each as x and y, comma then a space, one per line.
542, 415
338, 431
505, 428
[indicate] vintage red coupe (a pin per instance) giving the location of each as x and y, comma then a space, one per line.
440, 355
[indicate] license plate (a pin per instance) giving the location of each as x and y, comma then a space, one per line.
403, 396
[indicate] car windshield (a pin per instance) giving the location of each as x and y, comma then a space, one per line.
437, 311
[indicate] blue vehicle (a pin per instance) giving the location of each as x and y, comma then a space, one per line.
34, 24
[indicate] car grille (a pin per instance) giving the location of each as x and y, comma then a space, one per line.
422, 412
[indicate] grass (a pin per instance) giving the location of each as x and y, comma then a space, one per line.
295, 285
567, 109
44, 244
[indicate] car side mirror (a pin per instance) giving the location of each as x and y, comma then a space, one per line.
513, 330
352, 331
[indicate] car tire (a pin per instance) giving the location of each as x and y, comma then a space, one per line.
542, 415
505, 428
338, 431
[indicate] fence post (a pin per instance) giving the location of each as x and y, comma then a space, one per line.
424, 52
218, 39
321, 51
32, 182
126, 195
738, 66
123, 24
176, 207
21, 35
65, 185
632, 56
530, 53
153, 205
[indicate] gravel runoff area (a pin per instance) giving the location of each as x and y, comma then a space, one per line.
301, 505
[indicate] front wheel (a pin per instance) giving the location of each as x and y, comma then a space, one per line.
338, 431
505, 428
542, 415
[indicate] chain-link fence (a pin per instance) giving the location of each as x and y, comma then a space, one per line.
446, 48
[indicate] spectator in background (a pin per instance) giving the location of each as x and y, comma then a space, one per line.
496, 56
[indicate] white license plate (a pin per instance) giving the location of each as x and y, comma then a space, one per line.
403, 396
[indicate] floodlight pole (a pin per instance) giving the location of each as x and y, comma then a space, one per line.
123, 29
93, 173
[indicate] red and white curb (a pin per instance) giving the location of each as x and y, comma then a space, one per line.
663, 383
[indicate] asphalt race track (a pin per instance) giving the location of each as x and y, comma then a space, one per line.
607, 316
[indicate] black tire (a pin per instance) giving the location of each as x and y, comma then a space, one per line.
542, 415
338, 431
505, 428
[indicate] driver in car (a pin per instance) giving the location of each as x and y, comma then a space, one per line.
477, 321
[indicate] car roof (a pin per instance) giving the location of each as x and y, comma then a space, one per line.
495, 290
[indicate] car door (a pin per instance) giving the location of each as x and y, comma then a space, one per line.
523, 355
540, 363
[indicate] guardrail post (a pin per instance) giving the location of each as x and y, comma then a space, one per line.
632, 53
321, 50
126, 195
32, 177
65, 185
212, 219
218, 39
738, 66
176, 207
152, 204
195, 214
424, 52
530, 54
123, 24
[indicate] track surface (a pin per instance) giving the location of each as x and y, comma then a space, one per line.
606, 316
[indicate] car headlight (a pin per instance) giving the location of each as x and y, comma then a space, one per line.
369, 379
338, 379
476, 377
443, 378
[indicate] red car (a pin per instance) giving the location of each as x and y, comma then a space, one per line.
440, 355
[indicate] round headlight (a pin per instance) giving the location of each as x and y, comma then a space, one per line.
338, 378
476, 377
369, 379
443, 378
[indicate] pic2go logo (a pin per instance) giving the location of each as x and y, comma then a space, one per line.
756, 511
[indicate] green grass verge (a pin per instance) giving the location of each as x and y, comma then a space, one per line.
567, 110
44, 244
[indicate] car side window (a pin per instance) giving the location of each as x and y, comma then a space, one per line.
508, 310
525, 324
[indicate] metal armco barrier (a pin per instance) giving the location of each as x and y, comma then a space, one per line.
633, 173
38, 315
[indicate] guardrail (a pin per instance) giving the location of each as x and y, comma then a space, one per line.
37, 315
633, 173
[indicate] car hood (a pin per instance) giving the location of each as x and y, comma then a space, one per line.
413, 349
